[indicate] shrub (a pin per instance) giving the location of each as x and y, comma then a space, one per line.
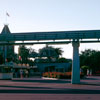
59, 75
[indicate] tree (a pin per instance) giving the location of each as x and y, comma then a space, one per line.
23, 53
85, 57
90, 58
58, 52
32, 53
84, 69
50, 53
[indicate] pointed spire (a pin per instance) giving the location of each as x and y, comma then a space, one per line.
5, 30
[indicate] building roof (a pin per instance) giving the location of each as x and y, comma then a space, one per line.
5, 30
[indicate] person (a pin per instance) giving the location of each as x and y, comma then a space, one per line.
21, 73
26, 73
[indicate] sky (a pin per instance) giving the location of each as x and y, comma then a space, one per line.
52, 15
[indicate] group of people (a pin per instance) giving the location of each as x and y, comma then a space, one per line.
21, 73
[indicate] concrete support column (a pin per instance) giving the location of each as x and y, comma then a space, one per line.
75, 64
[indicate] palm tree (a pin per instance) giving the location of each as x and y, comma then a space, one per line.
58, 52
32, 53
50, 53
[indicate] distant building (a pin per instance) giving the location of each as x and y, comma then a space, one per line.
53, 67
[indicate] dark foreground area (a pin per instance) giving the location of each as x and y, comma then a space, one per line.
48, 89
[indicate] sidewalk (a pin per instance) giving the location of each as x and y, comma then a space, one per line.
46, 89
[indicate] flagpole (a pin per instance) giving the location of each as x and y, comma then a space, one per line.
7, 15
6, 18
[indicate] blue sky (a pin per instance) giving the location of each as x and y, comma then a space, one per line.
52, 15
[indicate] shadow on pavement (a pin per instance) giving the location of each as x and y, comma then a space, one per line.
92, 84
25, 87
48, 90
44, 81
58, 91
90, 78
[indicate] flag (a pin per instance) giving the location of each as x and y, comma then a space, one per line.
20, 58
7, 14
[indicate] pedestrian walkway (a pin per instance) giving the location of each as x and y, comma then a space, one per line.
46, 89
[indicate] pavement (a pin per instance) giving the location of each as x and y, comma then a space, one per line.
49, 89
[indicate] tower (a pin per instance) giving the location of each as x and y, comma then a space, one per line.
6, 51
